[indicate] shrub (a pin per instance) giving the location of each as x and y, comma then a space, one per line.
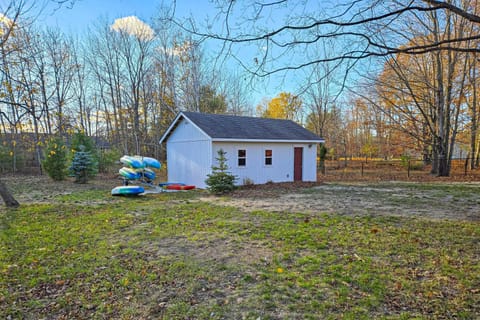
55, 159
408, 163
108, 159
322, 154
220, 180
83, 165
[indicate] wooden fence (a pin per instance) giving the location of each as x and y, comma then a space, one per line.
386, 170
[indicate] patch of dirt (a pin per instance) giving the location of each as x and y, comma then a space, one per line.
218, 251
356, 198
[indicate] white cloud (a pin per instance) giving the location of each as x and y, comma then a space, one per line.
5, 23
133, 26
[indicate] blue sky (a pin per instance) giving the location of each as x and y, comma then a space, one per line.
84, 13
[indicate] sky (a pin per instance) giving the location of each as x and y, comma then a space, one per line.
76, 18
84, 13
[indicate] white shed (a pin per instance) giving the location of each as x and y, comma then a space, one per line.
258, 150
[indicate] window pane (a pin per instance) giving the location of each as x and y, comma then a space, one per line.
242, 162
242, 153
268, 157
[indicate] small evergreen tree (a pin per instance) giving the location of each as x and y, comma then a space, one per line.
83, 165
81, 139
55, 159
220, 180
322, 155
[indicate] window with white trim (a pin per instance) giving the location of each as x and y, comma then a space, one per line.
242, 157
268, 157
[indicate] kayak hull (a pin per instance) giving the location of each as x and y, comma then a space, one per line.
150, 162
127, 190
129, 173
165, 184
149, 174
179, 187
132, 162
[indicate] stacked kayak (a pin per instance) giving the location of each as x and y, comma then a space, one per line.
142, 169
132, 162
136, 168
150, 162
129, 173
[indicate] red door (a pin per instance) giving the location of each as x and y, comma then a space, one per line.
297, 164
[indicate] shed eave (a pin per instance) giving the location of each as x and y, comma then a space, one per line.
266, 140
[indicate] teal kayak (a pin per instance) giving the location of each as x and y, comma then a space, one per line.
149, 174
127, 190
129, 173
150, 162
132, 162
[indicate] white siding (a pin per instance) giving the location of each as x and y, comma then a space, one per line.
255, 170
188, 155
309, 162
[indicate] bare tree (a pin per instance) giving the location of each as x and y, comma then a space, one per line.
363, 30
104, 61
135, 53
11, 15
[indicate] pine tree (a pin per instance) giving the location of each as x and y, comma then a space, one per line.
55, 162
83, 165
322, 154
220, 180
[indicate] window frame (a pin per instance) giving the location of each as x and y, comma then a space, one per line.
244, 158
266, 157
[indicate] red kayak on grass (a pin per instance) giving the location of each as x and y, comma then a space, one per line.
179, 187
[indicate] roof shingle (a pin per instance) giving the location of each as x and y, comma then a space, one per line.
250, 128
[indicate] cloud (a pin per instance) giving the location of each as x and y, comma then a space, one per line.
5, 23
133, 26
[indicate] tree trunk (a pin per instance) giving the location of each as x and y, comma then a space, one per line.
473, 130
435, 159
7, 197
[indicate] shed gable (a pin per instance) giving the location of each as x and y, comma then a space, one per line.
186, 131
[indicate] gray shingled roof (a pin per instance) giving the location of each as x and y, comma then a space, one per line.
249, 128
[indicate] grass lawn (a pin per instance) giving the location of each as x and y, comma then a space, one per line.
90, 255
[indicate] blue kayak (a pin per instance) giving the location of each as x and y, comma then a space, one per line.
151, 162
132, 162
165, 184
129, 173
127, 190
149, 174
